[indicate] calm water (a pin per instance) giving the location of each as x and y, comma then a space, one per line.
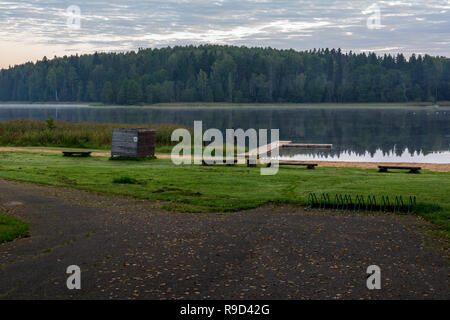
358, 134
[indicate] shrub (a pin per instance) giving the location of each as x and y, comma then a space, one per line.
53, 133
50, 123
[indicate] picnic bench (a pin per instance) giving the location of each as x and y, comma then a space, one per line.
309, 166
76, 153
411, 169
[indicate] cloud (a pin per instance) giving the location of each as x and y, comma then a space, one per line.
410, 26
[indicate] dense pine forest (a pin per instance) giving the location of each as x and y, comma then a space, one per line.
228, 74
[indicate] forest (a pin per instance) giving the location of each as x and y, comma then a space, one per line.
212, 73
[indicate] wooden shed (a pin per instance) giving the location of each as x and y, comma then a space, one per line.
133, 142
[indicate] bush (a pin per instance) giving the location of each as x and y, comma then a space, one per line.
50, 123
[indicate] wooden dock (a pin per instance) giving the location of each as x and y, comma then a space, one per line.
308, 146
285, 145
267, 148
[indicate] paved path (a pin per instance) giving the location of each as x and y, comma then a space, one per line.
130, 248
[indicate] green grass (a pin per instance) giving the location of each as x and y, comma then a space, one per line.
126, 180
158, 149
220, 188
105, 149
50, 133
11, 227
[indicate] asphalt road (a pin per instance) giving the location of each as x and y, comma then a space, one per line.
131, 249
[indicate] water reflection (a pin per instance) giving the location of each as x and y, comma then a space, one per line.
442, 157
357, 133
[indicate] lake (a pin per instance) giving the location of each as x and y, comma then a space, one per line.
381, 134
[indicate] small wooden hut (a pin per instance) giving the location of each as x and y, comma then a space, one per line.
133, 142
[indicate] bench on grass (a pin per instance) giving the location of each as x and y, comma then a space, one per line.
76, 153
411, 169
252, 163
212, 162
309, 166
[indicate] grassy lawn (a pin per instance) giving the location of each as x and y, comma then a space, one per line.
218, 188
158, 149
51, 133
11, 227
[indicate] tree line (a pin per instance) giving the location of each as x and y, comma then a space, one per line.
213, 73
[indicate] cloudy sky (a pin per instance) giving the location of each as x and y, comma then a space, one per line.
31, 29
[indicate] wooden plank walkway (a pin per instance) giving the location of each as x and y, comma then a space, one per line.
284, 144
308, 146
266, 148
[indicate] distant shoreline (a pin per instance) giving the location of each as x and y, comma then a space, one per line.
443, 104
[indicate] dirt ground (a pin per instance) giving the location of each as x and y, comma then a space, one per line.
426, 166
132, 249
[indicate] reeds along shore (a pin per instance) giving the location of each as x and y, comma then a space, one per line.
52, 133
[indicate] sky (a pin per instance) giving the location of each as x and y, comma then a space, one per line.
31, 29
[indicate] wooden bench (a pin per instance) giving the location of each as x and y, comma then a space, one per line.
76, 153
411, 169
212, 162
309, 166
252, 163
